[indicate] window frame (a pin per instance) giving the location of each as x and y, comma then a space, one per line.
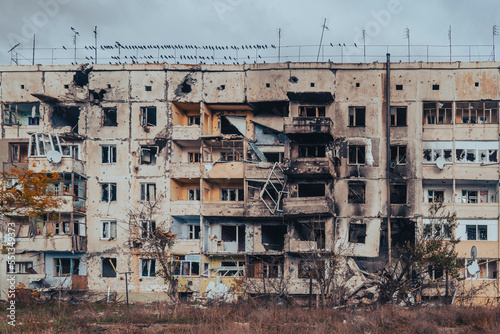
111, 192
153, 154
109, 152
398, 161
150, 270
111, 230
353, 117
319, 111
359, 149
25, 265
108, 121
147, 228
196, 194
148, 116
351, 196
395, 116
148, 192
354, 231
239, 192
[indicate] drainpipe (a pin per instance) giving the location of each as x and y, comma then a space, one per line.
388, 150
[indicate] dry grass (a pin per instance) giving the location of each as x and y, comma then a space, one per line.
245, 318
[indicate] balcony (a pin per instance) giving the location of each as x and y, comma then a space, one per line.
67, 165
261, 171
226, 170
184, 170
185, 208
258, 209
308, 206
9, 166
56, 243
318, 127
467, 171
181, 132
222, 208
71, 204
311, 167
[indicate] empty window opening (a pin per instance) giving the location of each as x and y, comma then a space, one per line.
148, 268
357, 116
194, 232
148, 116
21, 268
268, 85
437, 113
476, 84
434, 196
357, 84
66, 86
109, 117
398, 116
22, 114
108, 267
66, 267
148, 155
313, 231
148, 192
187, 265
108, 154
477, 232
357, 155
273, 237
231, 195
22, 86
398, 193
398, 155
108, 230
229, 156
435, 87
233, 125
312, 84
108, 192
357, 233
312, 151
399, 87
356, 194
109, 85
312, 111
194, 194
66, 116
18, 152
194, 157
147, 88
194, 120
311, 189
274, 156
234, 233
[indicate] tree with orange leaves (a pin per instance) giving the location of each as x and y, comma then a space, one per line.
27, 193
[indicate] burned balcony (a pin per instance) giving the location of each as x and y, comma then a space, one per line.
308, 198
321, 128
228, 238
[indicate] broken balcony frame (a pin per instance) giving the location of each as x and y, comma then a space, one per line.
18, 113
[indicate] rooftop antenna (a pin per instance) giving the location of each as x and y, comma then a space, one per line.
407, 35
74, 39
279, 44
12, 59
95, 48
449, 37
495, 32
33, 61
364, 45
321, 39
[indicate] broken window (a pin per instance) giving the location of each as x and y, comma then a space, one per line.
194, 157
434, 196
398, 193
66, 266
398, 155
274, 156
231, 195
22, 114
480, 112
187, 265
234, 233
194, 232
357, 116
472, 155
148, 155
310, 268
108, 230
357, 233
311, 231
437, 230
18, 152
109, 117
477, 232
470, 196
312, 111
229, 156
148, 227
264, 267
108, 192
437, 113
432, 154
108, 154
148, 268
148, 192
273, 237
312, 151
148, 116
398, 116
311, 189
194, 194
68, 150
356, 154
356, 194
193, 120
488, 269
108, 267
20, 268
66, 116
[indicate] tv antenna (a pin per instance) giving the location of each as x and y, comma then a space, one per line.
449, 37
495, 33
407, 35
364, 45
95, 48
321, 39
12, 59
74, 39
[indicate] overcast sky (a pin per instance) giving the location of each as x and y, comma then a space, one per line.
245, 22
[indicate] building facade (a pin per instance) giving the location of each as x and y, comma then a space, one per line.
253, 167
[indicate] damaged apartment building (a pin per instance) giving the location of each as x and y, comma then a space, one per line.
254, 168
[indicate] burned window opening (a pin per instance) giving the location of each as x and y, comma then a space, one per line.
274, 156
312, 151
108, 267
357, 233
357, 155
313, 231
311, 189
109, 117
66, 116
398, 193
357, 116
398, 155
185, 87
312, 111
81, 78
356, 194
273, 237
